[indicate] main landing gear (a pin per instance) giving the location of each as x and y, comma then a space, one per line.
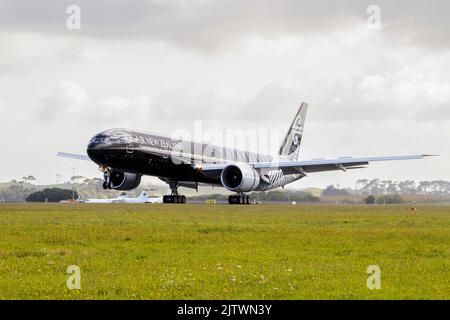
239, 199
174, 197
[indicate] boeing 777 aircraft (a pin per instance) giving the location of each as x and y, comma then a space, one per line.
125, 156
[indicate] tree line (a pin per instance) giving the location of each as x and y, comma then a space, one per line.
270, 196
51, 195
406, 187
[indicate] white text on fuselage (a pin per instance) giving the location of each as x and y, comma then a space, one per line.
165, 144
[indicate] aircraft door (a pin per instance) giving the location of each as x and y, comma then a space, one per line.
129, 146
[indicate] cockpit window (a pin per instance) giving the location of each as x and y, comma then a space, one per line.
111, 139
98, 139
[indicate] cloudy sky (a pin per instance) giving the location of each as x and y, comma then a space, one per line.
161, 66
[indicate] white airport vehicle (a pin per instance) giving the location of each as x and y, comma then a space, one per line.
144, 197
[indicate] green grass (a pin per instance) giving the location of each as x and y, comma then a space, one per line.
224, 252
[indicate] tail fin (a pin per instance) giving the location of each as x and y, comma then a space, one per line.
291, 144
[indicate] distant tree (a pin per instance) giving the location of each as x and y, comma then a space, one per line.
333, 191
16, 192
51, 195
78, 179
283, 196
410, 187
407, 187
392, 187
361, 184
440, 186
370, 200
28, 179
424, 186
390, 199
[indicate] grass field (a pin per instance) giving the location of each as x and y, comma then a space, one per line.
224, 252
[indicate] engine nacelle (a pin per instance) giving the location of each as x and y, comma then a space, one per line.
124, 180
239, 177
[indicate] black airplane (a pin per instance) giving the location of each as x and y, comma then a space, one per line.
125, 156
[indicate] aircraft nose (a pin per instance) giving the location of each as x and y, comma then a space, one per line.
93, 143
94, 148
93, 154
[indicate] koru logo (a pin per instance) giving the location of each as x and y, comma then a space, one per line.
295, 142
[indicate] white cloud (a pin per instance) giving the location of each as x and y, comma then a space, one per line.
20, 50
24, 52
113, 108
65, 101
71, 101
372, 88
215, 25
2, 109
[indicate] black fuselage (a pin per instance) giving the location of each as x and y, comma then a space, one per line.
161, 156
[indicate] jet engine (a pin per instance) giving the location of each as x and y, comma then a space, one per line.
239, 177
123, 180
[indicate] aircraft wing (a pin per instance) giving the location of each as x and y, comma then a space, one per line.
315, 165
319, 165
73, 156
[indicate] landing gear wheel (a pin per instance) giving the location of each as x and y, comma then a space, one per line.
107, 185
168, 199
239, 199
174, 197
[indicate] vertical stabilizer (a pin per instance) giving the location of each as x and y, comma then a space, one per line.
291, 143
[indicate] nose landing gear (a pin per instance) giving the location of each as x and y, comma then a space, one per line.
239, 199
106, 178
